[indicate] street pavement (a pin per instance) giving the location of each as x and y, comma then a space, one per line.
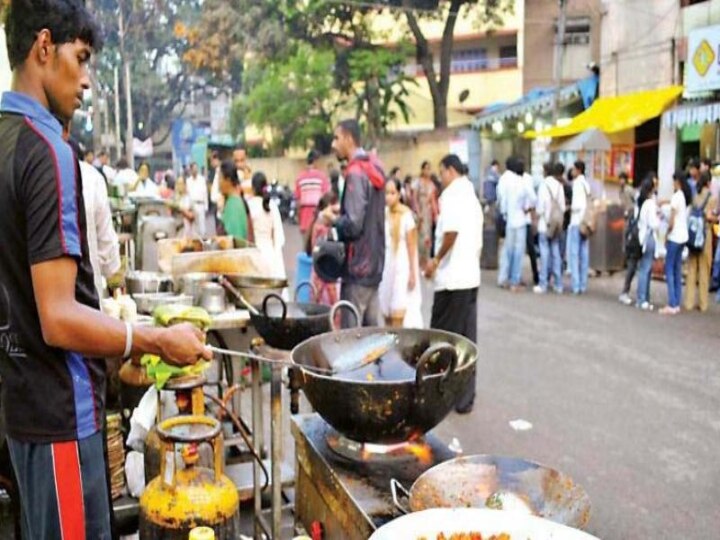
625, 402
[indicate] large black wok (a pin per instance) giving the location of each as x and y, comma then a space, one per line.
500, 483
401, 396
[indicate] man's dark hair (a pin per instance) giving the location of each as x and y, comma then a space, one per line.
352, 127
452, 161
67, 20
547, 168
122, 163
425, 163
623, 175
558, 169
580, 166
707, 162
215, 155
228, 170
312, 157
394, 170
494, 162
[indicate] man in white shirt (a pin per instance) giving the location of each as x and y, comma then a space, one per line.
530, 232
125, 175
579, 247
516, 198
550, 212
215, 196
102, 240
456, 265
198, 191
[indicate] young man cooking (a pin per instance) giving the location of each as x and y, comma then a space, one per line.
52, 335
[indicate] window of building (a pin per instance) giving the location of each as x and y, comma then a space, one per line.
577, 30
469, 60
508, 55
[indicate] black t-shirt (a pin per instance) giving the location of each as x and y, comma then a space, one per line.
48, 394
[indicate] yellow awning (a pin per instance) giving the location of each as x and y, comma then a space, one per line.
613, 114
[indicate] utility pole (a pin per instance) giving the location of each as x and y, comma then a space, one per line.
96, 131
559, 57
128, 93
118, 141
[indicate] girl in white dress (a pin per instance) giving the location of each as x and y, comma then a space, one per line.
267, 225
400, 296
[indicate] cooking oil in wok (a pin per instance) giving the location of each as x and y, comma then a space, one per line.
391, 366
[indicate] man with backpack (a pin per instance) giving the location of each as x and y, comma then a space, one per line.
699, 245
550, 212
633, 252
360, 223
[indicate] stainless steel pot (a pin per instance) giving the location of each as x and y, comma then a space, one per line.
148, 282
430, 523
147, 302
212, 298
191, 284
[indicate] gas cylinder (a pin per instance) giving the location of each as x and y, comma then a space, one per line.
190, 400
190, 491
134, 382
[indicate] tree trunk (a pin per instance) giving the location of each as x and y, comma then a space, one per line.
439, 85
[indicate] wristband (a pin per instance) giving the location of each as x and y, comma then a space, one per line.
128, 340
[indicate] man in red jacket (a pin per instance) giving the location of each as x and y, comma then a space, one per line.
310, 186
361, 222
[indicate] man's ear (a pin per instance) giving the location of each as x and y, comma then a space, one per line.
44, 48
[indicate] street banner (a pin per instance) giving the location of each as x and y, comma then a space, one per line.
703, 62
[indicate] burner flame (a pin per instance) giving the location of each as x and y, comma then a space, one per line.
421, 451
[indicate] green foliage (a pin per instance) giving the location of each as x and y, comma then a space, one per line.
292, 97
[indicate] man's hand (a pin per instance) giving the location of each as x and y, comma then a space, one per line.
182, 345
412, 282
431, 268
329, 215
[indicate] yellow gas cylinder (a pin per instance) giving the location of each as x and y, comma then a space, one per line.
190, 400
189, 492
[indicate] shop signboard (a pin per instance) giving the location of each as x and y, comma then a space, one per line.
703, 63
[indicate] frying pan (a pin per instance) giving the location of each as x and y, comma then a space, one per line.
502, 483
429, 523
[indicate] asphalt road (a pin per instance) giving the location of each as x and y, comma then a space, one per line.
625, 402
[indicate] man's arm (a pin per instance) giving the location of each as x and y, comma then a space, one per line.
350, 224
72, 326
107, 240
448, 242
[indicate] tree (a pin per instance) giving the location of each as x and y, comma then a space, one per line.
490, 14
292, 98
367, 77
161, 82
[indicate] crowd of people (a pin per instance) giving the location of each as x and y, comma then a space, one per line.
555, 217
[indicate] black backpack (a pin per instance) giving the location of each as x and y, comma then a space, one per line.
633, 246
696, 227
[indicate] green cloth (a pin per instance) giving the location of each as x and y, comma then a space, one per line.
234, 218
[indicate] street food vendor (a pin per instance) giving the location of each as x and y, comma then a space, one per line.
52, 335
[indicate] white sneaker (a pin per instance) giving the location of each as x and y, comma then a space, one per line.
625, 299
646, 306
537, 289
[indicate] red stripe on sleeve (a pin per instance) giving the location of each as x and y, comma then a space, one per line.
68, 486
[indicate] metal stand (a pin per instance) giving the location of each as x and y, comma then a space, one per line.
274, 527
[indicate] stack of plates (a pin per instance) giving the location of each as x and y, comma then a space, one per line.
116, 455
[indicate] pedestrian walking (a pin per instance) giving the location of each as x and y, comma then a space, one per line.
516, 200
550, 212
326, 291
310, 185
628, 195
400, 295
235, 216
531, 235
198, 190
456, 265
633, 240
676, 239
53, 335
579, 251
360, 223
700, 244
267, 225
490, 185
648, 225
426, 203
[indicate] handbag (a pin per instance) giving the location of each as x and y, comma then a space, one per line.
588, 225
